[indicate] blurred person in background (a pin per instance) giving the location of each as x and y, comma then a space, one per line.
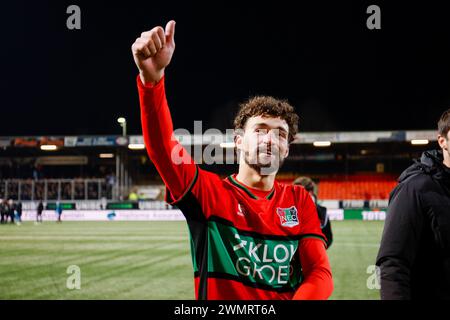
11, 211
133, 196
39, 210
3, 211
325, 223
59, 211
18, 209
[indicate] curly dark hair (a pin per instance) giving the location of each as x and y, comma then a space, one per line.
268, 107
444, 124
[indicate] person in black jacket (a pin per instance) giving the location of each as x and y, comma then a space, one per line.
325, 223
3, 211
18, 208
39, 210
414, 255
11, 210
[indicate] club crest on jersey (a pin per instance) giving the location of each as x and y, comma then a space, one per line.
288, 216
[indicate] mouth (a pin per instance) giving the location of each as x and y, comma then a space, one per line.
266, 150
267, 153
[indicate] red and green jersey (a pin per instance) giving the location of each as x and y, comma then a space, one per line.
245, 243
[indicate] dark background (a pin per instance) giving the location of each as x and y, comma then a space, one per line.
319, 55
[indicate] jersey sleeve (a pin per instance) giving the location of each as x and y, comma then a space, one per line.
175, 165
309, 219
318, 282
184, 180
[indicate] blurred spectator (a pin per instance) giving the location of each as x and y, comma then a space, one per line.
40, 208
11, 210
111, 179
3, 211
325, 223
59, 211
18, 209
133, 196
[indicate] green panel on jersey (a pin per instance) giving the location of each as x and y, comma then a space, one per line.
267, 262
193, 253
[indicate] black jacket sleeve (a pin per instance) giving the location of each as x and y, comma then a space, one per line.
325, 224
400, 242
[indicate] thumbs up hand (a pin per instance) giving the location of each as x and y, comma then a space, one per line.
152, 52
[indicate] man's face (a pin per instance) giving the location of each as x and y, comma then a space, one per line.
264, 143
444, 143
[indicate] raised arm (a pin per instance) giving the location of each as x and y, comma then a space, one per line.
152, 53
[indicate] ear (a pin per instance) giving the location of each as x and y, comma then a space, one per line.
238, 139
442, 142
287, 152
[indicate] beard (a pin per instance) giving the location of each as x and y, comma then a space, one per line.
264, 168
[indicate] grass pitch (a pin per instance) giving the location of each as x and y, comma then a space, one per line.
145, 260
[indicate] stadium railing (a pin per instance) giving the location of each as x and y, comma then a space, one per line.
55, 189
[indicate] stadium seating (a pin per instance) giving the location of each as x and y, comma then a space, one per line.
352, 187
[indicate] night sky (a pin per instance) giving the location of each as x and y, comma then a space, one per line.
339, 75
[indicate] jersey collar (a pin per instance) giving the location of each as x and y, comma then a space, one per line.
244, 188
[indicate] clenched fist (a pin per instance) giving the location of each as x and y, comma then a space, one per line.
152, 52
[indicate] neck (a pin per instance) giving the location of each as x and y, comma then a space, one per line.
446, 159
253, 179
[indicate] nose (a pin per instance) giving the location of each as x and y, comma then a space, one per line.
267, 138
270, 137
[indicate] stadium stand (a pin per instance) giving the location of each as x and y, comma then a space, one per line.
357, 168
351, 187
356, 187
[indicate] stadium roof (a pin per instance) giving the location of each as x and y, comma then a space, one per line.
211, 138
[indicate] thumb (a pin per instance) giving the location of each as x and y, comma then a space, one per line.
170, 31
